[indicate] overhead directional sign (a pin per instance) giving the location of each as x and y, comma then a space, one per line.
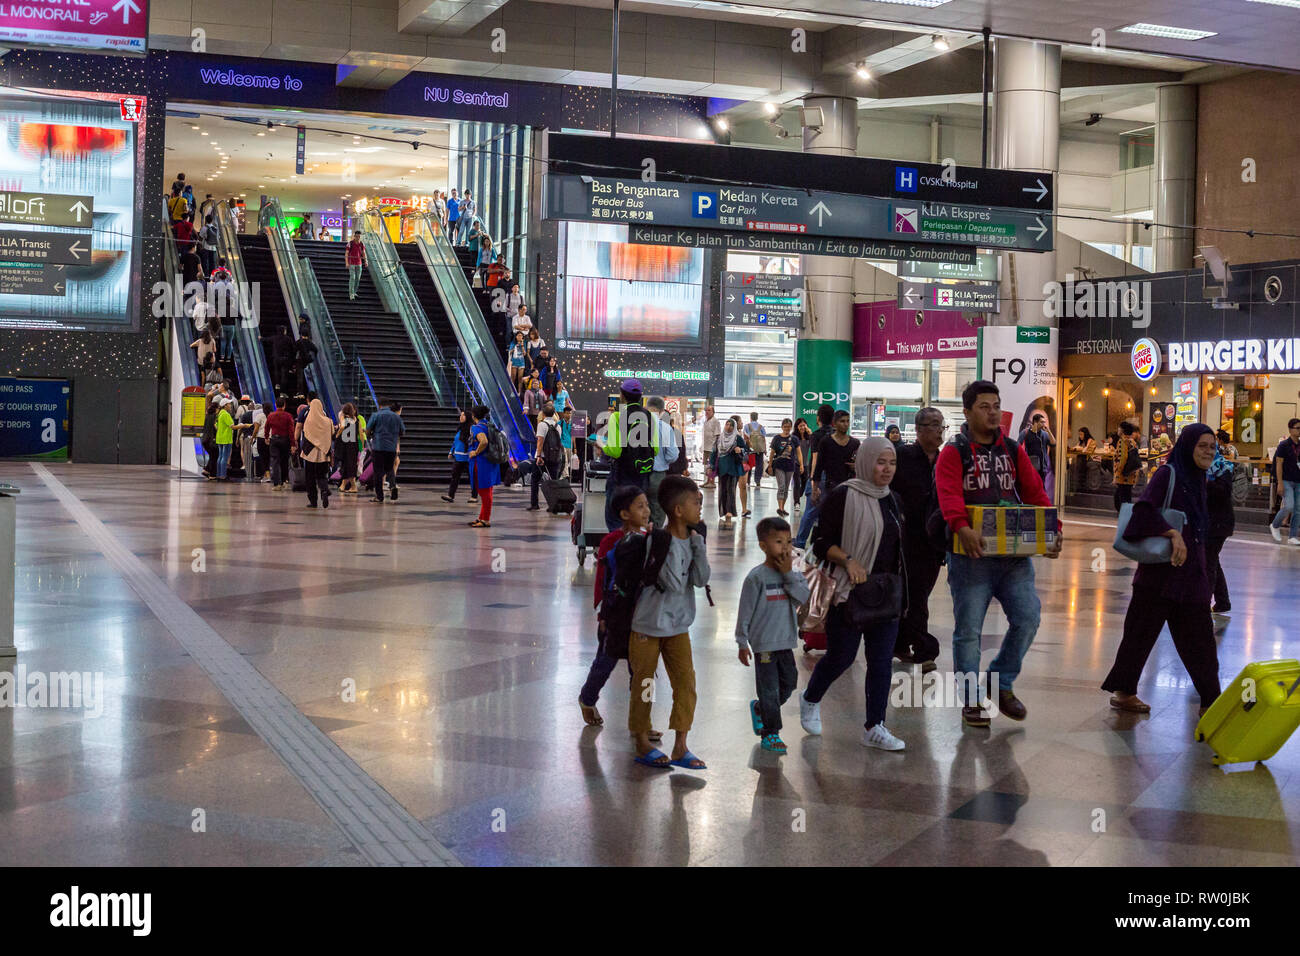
952, 297
983, 269
707, 165
110, 26
758, 299
764, 244
45, 248
793, 212
20, 278
47, 209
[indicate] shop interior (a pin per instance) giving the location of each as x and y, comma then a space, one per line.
243, 154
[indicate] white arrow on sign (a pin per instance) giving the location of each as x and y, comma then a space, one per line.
1041, 230
1041, 190
77, 249
79, 208
58, 287
910, 295
126, 7
731, 298
820, 210
730, 316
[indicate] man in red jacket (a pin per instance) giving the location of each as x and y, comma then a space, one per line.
984, 467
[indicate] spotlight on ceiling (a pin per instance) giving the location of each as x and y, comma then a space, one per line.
1093, 119
770, 109
939, 42
862, 72
721, 124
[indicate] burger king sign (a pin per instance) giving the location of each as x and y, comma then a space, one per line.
1145, 359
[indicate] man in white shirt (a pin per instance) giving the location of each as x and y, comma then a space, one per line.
522, 321
709, 433
664, 457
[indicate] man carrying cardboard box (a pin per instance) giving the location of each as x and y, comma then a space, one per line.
981, 466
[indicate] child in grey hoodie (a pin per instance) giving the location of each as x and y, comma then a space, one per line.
767, 624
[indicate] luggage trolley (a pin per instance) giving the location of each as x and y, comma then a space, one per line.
587, 525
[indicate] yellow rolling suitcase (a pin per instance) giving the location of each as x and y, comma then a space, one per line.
1255, 715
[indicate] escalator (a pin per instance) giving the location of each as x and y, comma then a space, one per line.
383, 343
481, 361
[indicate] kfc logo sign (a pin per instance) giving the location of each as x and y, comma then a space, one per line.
132, 108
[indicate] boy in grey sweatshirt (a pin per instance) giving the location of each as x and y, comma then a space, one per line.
767, 624
661, 626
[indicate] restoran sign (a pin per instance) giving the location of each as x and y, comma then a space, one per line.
1234, 355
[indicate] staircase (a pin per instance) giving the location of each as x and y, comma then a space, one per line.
497, 323
381, 340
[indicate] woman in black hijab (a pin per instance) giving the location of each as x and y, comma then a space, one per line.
1177, 593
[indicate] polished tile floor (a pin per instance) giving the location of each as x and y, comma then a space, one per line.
466, 650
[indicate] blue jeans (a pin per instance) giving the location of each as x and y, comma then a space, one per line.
1290, 505
228, 339
223, 459
810, 513
976, 581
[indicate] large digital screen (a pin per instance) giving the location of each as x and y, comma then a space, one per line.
69, 211
617, 296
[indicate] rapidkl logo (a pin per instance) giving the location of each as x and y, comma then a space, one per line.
905, 179
704, 205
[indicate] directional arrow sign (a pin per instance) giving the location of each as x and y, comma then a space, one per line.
775, 301
18, 278
948, 297
1038, 228
820, 209
47, 209
45, 248
126, 8
1038, 193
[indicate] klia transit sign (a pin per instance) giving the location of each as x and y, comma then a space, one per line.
109, 26
1224, 355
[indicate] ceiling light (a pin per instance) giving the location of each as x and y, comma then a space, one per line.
862, 71
721, 124
261, 134
770, 109
916, 3
1279, 3
1167, 33
193, 127
204, 133
939, 42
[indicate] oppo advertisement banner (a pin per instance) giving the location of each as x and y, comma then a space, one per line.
1021, 361
34, 418
823, 373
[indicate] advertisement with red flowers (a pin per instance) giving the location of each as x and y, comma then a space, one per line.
68, 212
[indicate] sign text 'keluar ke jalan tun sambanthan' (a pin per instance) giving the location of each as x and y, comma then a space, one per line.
1234, 355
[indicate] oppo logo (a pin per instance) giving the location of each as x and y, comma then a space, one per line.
830, 398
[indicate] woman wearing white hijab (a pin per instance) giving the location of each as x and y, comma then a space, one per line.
316, 442
859, 532
728, 463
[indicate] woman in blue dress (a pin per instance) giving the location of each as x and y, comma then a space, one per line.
486, 474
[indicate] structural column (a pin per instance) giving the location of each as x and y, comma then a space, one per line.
1174, 179
824, 354
1026, 136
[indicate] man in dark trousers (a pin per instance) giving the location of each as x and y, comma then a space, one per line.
825, 415
631, 441
385, 429
914, 483
306, 352
282, 351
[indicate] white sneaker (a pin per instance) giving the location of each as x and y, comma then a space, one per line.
810, 716
881, 739
1293, 540
1277, 533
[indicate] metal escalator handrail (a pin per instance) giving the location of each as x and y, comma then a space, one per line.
395, 289
303, 297
250, 360
485, 367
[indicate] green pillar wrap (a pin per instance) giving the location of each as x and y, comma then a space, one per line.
823, 373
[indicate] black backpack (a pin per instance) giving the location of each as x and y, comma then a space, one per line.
497, 451
679, 464
936, 525
637, 458
553, 448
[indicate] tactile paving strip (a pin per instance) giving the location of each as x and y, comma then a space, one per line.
376, 824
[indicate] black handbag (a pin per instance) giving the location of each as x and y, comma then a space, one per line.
877, 599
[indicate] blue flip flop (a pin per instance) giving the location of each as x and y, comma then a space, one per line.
686, 760
648, 759
755, 719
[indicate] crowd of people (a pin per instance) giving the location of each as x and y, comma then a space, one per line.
873, 510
